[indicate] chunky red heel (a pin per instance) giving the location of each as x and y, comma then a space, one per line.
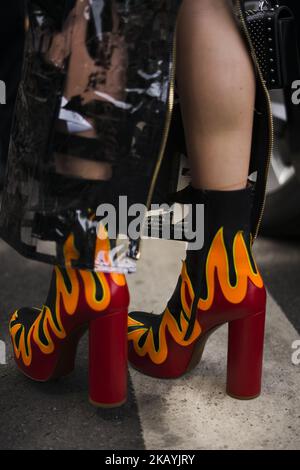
108, 360
245, 356
45, 340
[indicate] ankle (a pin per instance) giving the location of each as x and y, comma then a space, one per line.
218, 187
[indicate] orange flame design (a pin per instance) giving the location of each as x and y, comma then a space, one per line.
217, 261
168, 323
69, 300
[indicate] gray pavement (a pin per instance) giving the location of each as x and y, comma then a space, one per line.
188, 413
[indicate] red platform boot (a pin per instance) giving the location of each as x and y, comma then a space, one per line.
45, 339
218, 284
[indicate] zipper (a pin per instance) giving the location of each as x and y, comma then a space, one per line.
168, 119
170, 110
270, 116
135, 248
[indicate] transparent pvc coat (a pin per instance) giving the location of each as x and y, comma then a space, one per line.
88, 124
89, 127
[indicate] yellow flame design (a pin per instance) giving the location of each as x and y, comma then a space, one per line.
69, 301
216, 262
168, 323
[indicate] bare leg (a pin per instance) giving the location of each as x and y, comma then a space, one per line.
216, 85
76, 167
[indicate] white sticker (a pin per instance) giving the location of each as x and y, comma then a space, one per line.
75, 122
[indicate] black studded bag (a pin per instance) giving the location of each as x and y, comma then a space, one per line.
273, 33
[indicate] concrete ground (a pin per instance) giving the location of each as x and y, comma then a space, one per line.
189, 413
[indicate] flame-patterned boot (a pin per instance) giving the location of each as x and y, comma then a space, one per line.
218, 284
45, 339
